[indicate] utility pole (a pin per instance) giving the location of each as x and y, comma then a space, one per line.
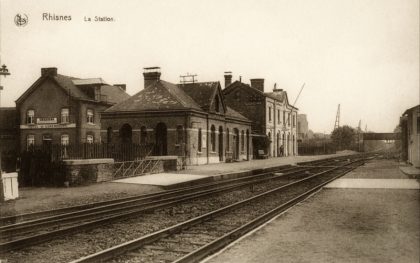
337, 118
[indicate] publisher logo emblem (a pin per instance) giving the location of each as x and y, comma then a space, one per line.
21, 19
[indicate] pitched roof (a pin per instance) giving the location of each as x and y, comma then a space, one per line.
233, 113
201, 92
114, 94
280, 95
91, 81
161, 95
69, 85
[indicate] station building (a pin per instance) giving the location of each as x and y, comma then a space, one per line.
189, 120
410, 135
58, 109
270, 113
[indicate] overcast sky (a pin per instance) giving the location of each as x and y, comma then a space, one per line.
363, 54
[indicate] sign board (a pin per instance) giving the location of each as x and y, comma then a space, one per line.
48, 126
46, 120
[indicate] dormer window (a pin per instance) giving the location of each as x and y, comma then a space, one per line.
89, 116
65, 115
30, 117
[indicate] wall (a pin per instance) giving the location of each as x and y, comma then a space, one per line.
414, 137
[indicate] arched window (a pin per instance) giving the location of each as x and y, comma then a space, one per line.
200, 137
227, 140
213, 138
30, 141
65, 115
242, 140
179, 134
143, 135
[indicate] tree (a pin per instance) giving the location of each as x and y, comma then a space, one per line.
343, 137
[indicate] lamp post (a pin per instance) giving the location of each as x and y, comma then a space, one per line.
3, 72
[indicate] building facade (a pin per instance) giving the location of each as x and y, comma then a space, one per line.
188, 120
270, 113
58, 109
410, 135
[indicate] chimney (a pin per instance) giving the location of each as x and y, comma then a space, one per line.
151, 75
228, 78
257, 84
122, 86
49, 72
275, 89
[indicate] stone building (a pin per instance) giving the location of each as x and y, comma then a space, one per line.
270, 113
410, 135
189, 120
58, 109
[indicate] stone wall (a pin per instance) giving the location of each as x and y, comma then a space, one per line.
82, 172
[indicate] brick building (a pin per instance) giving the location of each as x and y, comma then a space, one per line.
190, 120
270, 113
58, 109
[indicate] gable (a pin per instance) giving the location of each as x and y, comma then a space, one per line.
217, 100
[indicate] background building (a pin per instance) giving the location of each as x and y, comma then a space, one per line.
303, 129
410, 135
58, 109
270, 113
189, 120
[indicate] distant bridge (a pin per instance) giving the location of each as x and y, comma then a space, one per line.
373, 136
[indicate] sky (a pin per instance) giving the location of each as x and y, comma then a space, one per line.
361, 54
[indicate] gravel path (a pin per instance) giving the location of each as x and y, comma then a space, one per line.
45, 198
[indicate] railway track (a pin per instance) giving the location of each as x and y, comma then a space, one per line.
196, 238
22, 235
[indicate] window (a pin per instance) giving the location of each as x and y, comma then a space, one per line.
213, 138
89, 138
227, 140
269, 114
242, 141
89, 116
109, 135
143, 135
30, 141
30, 117
284, 118
216, 103
200, 137
294, 120
288, 119
65, 115
179, 134
65, 139
278, 116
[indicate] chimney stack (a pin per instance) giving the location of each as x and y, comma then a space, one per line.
257, 84
275, 89
122, 86
49, 72
228, 78
151, 75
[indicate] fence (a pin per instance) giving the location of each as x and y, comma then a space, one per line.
307, 149
119, 152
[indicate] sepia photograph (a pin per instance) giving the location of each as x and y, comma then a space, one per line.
237, 131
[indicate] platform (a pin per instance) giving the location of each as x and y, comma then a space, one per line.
378, 221
166, 179
212, 172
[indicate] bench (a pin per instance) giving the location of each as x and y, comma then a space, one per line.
262, 154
